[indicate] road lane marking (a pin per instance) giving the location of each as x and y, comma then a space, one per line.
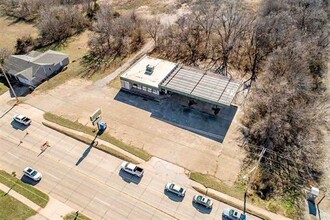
14, 156
48, 174
101, 201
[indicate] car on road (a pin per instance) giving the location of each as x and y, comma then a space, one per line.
22, 119
132, 169
176, 189
32, 174
232, 214
200, 199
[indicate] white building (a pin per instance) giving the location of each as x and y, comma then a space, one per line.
147, 74
159, 76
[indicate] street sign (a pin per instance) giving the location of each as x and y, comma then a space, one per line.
95, 115
97, 120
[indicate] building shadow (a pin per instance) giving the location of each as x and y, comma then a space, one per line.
199, 118
129, 178
201, 208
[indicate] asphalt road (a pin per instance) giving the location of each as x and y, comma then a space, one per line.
89, 180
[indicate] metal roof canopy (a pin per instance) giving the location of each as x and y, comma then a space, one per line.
205, 86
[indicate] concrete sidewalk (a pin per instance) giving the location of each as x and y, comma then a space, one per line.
54, 210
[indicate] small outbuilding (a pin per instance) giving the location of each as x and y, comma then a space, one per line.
35, 67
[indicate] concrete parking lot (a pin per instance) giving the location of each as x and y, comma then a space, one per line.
198, 118
142, 127
96, 186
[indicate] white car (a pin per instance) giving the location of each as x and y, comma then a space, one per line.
176, 189
232, 214
32, 173
200, 199
22, 119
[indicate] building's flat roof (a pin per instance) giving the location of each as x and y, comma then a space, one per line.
137, 72
206, 86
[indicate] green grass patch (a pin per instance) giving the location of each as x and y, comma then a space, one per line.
24, 189
72, 216
3, 88
86, 140
144, 155
11, 208
284, 206
209, 181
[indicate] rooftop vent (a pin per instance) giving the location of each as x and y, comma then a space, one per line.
149, 69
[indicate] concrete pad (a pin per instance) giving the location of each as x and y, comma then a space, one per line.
55, 209
141, 213
117, 183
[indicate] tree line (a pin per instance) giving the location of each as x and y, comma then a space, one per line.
286, 110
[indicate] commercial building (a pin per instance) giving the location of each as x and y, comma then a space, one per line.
160, 77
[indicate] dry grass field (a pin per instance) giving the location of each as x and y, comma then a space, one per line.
11, 30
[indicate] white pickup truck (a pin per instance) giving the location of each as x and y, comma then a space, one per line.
132, 168
22, 119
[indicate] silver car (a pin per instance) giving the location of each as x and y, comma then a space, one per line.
32, 173
232, 214
176, 189
203, 201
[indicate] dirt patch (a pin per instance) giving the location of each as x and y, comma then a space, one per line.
11, 30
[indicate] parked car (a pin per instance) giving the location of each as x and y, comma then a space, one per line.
176, 189
200, 199
22, 119
232, 214
132, 169
32, 173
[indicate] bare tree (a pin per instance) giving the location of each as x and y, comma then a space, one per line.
60, 22
4, 54
205, 16
286, 120
24, 44
232, 25
115, 35
153, 27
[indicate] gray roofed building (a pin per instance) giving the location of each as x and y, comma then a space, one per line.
202, 85
35, 67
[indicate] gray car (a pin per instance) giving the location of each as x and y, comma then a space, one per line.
232, 214
200, 199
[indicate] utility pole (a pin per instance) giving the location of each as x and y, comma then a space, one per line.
4, 73
252, 178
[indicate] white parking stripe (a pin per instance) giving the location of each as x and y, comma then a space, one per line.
55, 177
101, 201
